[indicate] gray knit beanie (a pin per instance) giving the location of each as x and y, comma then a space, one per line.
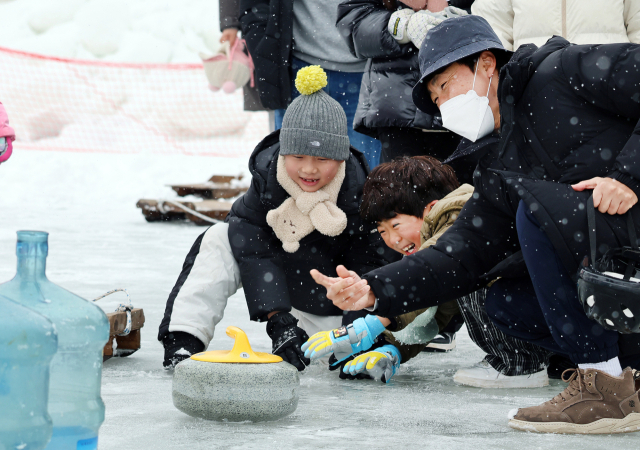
314, 123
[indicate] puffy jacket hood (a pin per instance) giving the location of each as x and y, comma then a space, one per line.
515, 75
5, 129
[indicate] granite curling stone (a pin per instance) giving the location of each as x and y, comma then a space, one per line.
236, 385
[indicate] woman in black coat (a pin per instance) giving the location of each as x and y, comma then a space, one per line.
386, 110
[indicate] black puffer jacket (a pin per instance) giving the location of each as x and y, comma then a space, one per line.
275, 280
267, 26
583, 104
391, 72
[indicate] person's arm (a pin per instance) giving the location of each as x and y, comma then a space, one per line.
254, 15
229, 13
499, 14
614, 88
363, 24
632, 20
256, 249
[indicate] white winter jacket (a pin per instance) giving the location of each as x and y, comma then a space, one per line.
518, 22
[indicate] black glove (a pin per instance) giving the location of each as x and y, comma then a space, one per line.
287, 338
340, 366
179, 345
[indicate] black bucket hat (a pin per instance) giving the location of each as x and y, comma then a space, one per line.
451, 41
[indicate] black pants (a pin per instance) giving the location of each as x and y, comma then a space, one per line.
545, 310
507, 355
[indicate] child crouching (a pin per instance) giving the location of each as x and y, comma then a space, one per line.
301, 212
414, 201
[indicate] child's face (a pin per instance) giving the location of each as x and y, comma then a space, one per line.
401, 233
311, 173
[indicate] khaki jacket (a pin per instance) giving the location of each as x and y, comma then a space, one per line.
518, 22
439, 219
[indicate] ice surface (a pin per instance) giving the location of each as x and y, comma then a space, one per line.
100, 241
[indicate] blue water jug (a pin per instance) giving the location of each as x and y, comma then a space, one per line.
75, 405
28, 342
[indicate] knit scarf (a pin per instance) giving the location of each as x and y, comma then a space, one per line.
304, 212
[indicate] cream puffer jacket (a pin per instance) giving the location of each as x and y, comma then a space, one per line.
518, 22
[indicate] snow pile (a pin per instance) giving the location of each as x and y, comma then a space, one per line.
159, 31
118, 104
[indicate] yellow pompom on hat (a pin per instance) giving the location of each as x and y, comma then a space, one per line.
314, 124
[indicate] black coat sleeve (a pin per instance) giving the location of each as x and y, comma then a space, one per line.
254, 15
363, 23
229, 11
365, 252
256, 250
608, 76
478, 240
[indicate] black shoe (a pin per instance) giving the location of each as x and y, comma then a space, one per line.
557, 365
443, 342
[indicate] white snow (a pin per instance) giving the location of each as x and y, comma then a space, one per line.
99, 241
162, 31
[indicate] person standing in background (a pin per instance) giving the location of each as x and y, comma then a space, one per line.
518, 22
229, 26
386, 110
285, 36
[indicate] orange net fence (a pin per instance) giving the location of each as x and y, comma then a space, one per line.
93, 106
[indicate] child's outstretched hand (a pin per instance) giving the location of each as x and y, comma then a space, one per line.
344, 341
380, 364
347, 291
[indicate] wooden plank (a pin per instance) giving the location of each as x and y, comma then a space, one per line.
153, 211
118, 321
208, 190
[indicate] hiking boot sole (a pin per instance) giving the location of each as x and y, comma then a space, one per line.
628, 424
535, 380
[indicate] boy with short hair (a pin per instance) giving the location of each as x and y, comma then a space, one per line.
414, 201
300, 212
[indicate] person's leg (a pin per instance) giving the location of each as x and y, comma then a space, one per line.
584, 340
513, 307
507, 355
345, 88
312, 323
600, 398
210, 275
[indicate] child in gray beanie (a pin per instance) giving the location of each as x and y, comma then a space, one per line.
300, 213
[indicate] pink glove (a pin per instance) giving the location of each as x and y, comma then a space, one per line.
6, 148
6, 132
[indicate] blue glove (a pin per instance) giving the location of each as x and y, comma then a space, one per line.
380, 364
344, 341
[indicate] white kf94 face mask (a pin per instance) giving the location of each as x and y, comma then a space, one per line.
469, 115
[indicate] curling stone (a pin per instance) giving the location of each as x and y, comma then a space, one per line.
236, 385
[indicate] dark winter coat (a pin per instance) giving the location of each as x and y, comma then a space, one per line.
391, 72
583, 103
267, 26
275, 280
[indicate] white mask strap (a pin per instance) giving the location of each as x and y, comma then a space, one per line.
489, 86
473, 87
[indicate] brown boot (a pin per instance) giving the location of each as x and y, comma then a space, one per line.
593, 403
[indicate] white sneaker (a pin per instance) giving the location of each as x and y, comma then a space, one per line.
482, 375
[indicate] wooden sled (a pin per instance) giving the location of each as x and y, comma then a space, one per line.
156, 210
125, 345
218, 187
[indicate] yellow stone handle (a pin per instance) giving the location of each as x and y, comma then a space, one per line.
240, 353
241, 344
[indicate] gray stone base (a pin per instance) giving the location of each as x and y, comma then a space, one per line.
235, 392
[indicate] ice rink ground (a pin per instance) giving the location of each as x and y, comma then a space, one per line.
100, 241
